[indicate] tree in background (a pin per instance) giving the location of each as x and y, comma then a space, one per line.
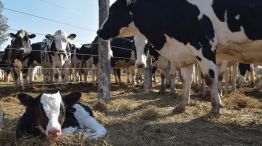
3, 25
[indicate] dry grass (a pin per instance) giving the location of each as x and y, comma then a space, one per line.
238, 100
133, 117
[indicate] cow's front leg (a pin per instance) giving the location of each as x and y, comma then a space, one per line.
173, 78
187, 76
55, 74
206, 58
24, 75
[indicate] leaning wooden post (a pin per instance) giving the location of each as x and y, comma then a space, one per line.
148, 74
104, 57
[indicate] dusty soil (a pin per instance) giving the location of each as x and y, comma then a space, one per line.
135, 118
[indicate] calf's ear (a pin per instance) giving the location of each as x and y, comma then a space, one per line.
72, 98
25, 99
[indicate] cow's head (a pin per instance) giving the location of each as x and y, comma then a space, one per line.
21, 40
119, 21
141, 55
49, 110
60, 41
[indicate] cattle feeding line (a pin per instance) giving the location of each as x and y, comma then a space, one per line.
51, 20
12, 29
92, 55
77, 40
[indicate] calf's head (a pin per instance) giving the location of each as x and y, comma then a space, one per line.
48, 109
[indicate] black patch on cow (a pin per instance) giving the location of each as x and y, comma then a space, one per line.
207, 27
220, 77
56, 76
243, 68
198, 58
208, 80
121, 47
208, 53
241, 13
211, 73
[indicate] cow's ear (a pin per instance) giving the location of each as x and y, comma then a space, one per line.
31, 36
26, 99
71, 36
50, 37
72, 98
11, 35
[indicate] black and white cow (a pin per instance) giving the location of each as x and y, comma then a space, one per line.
165, 69
53, 53
194, 30
50, 114
123, 55
17, 55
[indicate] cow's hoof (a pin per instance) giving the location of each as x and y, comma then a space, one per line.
216, 110
179, 109
161, 92
173, 94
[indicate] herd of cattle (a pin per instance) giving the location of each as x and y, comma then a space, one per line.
199, 38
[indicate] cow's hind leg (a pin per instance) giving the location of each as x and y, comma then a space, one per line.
187, 75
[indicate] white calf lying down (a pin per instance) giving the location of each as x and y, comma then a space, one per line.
50, 115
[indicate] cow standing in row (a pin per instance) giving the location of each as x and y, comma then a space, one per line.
194, 30
123, 56
54, 53
16, 56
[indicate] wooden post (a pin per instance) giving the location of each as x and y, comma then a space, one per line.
104, 57
148, 74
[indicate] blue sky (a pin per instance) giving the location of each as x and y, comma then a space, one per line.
82, 13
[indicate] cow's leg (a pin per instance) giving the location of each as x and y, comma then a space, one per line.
162, 85
135, 76
24, 75
172, 78
55, 74
202, 91
187, 77
69, 130
210, 73
252, 74
222, 66
234, 77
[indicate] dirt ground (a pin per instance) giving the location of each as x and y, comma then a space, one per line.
136, 118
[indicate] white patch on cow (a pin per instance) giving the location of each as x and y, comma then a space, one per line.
94, 129
140, 42
130, 30
128, 2
22, 34
51, 104
237, 17
61, 41
178, 52
69, 130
